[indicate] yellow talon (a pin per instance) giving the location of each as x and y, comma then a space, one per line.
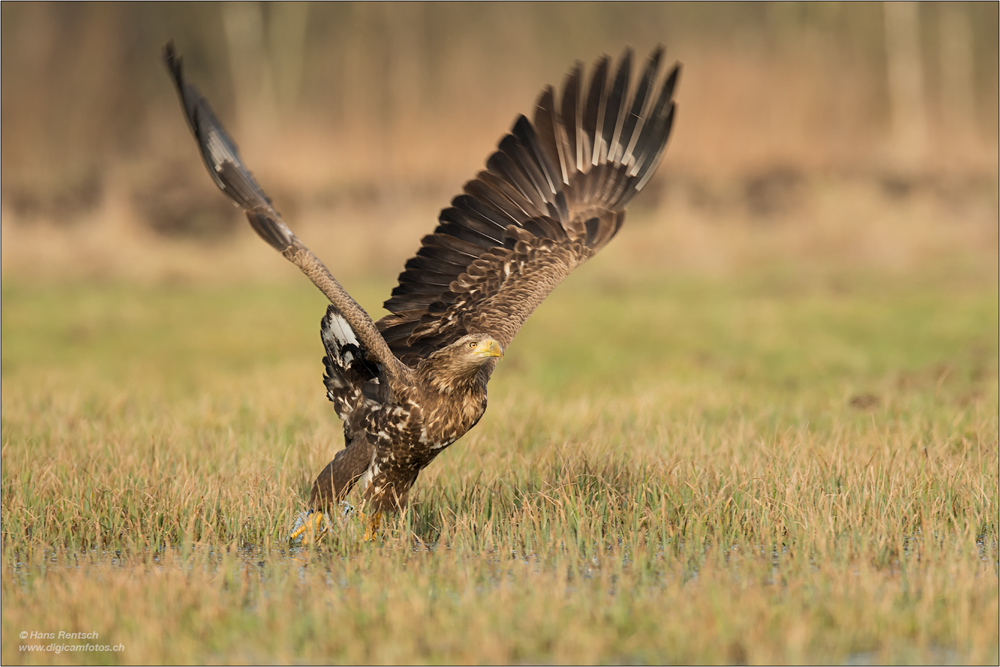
372, 531
310, 527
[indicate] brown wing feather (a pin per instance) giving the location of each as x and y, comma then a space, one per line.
222, 158
552, 195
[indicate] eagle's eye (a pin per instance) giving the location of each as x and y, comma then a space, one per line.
472, 345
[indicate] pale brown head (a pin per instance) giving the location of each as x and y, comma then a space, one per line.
480, 348
460, 362
473, 351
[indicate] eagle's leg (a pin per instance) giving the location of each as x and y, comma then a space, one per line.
330, 488
387, 493
372, 529
338, 477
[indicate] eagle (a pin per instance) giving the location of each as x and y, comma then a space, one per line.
551, 196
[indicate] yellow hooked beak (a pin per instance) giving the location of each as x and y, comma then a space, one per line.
490, 348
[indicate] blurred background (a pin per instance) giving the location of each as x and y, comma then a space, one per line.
807, 133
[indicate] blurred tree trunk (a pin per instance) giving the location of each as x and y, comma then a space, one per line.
405, 81
253, 90
958, 95
906, 81
358, 97
287, 47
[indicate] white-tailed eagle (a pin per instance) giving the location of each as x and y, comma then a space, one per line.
551, 196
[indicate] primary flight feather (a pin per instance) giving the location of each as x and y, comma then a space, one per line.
551, 196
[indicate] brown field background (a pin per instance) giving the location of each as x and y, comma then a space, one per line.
806, 133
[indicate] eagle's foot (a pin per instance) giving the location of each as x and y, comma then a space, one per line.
310, 526
372, 529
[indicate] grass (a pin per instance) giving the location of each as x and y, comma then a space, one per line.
673, 469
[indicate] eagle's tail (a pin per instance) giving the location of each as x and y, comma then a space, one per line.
350, 373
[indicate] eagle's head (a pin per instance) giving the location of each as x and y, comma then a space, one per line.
470, 353
459, 363
478, 348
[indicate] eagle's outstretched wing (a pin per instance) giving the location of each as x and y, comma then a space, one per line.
226, 168
552, 195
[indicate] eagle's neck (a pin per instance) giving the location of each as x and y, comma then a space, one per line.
452, 401
453, 382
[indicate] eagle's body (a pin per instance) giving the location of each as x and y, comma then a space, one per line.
555, 192
390, 439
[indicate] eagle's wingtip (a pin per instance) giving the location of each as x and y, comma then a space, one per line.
169, 52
